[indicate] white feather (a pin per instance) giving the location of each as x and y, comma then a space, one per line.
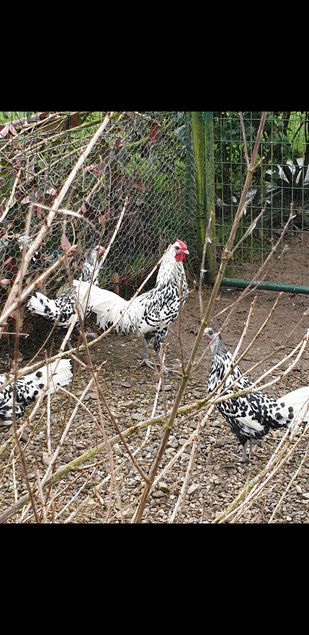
28, 388
299, 400
56, 374
39, 301
111, 308
250, 425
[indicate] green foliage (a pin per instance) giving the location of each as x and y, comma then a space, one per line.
7, 117
296, 132
283, 139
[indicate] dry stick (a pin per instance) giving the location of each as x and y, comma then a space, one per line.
121, 465
107, 250
31, 287
66, 430
76, 495
101, 424
62, 258
14, 477
197, 405
183, 491
280, 456
14, 400
225, 258
11, 301
60, 355
258, 333
44, 140
122, 436
78, 149
252, 341
202, 269
68, 212
138, 450
80, 348
49, 139
256, 490
239, 393
250, 288
55, 455
22, 131
242, 125
163, 349
60, 492
244, 333
179, 338
91, 452
80, 311
175, 458
41, 496
301, 345
289, 485
8, 205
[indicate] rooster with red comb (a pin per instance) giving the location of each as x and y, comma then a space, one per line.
149, 313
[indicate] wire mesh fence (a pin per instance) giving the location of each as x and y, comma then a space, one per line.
149, 159
280, 188
142, 156
145, 158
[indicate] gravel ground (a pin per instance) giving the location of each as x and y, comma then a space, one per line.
107, 487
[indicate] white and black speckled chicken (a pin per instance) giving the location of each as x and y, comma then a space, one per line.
63, 309
25, 241
251, 416
29, 387
151, 312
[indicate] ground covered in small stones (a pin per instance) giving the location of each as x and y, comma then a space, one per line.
107, 487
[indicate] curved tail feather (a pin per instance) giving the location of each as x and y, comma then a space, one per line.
109, 307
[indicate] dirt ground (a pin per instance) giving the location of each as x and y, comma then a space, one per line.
107, 487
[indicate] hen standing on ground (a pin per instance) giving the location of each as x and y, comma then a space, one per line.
63, 309
29, 387
151, 312
252, 415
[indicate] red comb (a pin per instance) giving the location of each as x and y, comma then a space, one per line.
182, 244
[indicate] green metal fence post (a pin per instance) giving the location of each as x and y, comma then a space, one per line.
202, 135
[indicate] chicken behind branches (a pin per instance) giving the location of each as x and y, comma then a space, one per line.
63, 309
29, 387
252, 415
149, 313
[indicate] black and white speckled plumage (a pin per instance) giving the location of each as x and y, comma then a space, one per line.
250, 416
63, 309
26, 241
29, 387
151, 312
